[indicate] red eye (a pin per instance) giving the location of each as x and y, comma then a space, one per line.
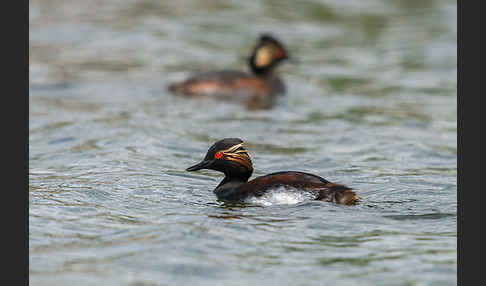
218, 155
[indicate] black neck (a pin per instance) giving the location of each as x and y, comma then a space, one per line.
261, 71
229, 184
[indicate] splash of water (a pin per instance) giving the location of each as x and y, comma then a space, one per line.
281, 196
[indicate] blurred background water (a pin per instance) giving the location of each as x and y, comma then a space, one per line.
371, 104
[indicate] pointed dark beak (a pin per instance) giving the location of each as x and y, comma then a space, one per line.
292, 60
199, 166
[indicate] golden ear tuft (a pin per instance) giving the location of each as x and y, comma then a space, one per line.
241, 156
264, 56
233, 149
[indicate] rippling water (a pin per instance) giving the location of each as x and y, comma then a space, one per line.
371, 104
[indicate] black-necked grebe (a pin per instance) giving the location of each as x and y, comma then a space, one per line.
230, 157
258, 89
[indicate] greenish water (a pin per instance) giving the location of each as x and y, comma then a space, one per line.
371, 104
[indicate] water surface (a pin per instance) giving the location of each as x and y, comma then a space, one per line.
371, 104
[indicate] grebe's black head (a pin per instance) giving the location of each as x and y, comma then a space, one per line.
268, 53
228, 156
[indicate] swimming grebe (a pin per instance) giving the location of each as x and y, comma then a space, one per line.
258, 89
230, 157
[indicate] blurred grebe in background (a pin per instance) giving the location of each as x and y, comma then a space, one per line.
257, 89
